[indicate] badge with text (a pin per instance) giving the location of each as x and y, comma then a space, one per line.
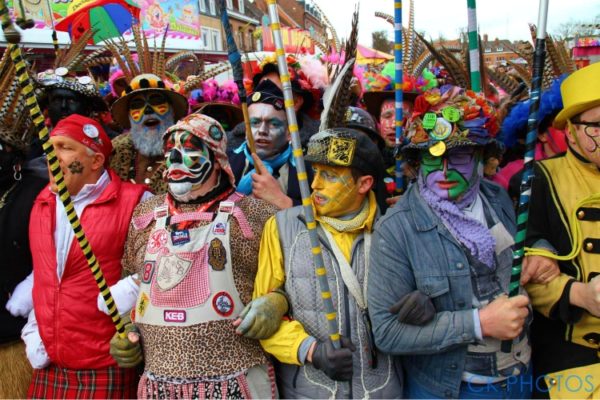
175, 316
219, 228
148, 271
180, 237
217, 256
341, 151
223, 304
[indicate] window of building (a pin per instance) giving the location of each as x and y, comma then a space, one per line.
203, 6
216, 40
499, 49
205, 38
229, 4
488, 50
241, 6
211, 5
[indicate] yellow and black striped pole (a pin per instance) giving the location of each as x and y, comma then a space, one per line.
319, 265
38, 120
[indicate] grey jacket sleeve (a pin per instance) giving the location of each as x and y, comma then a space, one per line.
391, 277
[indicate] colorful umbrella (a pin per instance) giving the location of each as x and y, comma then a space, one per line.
107, 18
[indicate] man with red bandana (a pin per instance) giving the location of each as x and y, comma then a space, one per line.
67, 338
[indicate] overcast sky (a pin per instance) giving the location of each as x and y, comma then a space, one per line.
505, 19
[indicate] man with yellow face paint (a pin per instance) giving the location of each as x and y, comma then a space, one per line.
348, 169
147, 108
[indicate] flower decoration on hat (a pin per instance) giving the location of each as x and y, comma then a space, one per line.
450, 117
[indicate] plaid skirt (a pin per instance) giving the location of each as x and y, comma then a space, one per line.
54, 382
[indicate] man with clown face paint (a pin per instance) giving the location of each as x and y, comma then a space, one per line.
450, 237
347, 175
147, 108
195, 250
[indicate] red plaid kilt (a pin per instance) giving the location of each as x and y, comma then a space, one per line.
60, 383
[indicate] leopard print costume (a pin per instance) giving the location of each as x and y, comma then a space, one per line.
212, 348
123, 157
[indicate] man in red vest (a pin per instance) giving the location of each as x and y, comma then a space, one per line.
67, 338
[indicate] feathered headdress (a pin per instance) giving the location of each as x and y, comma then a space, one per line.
16, 128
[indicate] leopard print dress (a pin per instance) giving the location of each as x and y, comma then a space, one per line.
210, 349
123, 159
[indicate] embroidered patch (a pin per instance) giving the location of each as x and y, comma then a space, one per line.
217, 256
174, 316
171, 270
341, 151
226, 207
180, 237
142, 304
223, 304
219, 228
148, 271
158, 239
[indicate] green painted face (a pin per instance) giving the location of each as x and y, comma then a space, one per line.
452, 174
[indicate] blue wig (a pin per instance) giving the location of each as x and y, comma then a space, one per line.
514, 125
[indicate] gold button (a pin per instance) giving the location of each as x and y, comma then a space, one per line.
580, 214
552, 382
589, 246
592, 341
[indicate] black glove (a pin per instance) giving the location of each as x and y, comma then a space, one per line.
335, 363
414, 308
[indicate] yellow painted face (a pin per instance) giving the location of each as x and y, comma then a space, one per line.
335, 192
137, 105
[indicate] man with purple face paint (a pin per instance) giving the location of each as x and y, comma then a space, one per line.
270, 174
450, 237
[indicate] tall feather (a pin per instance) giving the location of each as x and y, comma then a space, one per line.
196, 82
339, 94
161, 68
127, 72
335, 39
177, 58
387, 17
523, 73
505, 81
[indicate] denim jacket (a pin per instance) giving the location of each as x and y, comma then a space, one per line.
412, 249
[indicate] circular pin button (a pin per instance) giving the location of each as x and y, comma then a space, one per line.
438, 149
580, 214
61, 71
451, 114
442, 129
90, 131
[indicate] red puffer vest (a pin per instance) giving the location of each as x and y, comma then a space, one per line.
76, 335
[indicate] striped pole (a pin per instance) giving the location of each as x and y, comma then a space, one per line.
473, 46
398, 91
532, 125
38, 120
319, 265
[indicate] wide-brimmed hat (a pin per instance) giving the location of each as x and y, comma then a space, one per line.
63, 78
450, 117
580, 92
146, 83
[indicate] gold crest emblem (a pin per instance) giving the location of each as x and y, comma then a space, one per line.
341, 151
217, 256
142, 304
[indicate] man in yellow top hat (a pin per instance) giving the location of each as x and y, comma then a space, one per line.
564, 231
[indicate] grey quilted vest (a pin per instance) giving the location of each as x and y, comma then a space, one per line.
384, 381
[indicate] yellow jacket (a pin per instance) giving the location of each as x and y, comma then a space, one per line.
285, 342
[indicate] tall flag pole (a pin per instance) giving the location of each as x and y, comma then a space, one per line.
532, 125
317, 254
235, 59
473, 46
398, 89
37, 117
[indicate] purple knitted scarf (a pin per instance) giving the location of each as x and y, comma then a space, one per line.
471, 233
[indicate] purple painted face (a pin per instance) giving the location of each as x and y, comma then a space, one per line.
452, 174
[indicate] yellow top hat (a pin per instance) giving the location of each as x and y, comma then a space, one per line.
580, 92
